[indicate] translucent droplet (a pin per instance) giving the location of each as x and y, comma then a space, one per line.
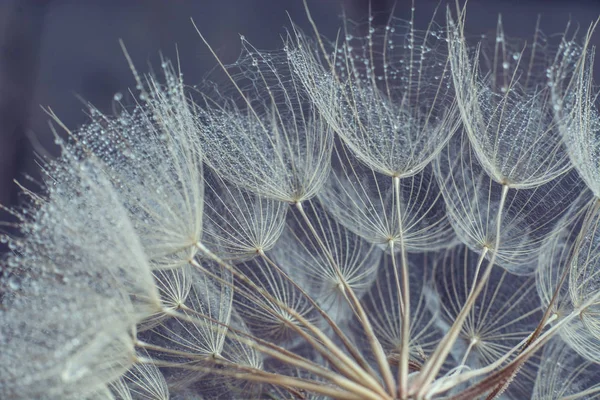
14, 283
73, 372
118, 96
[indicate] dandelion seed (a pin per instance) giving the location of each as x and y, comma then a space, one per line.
364, 202
164, 199
576, 109
239, 224
503, 317
507, 113
275, 144
354, 262
472, 200
395, 127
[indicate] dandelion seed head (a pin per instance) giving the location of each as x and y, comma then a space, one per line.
402, 214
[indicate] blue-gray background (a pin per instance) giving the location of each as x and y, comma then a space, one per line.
53, 51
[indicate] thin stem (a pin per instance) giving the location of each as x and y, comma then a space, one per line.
472, 343
584, 394
480, 261
434, 364
397, 280
405, 340
376, 347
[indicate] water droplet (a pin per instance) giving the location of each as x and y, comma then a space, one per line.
14, 283
118, 96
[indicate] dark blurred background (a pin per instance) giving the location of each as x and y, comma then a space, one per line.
54, 51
